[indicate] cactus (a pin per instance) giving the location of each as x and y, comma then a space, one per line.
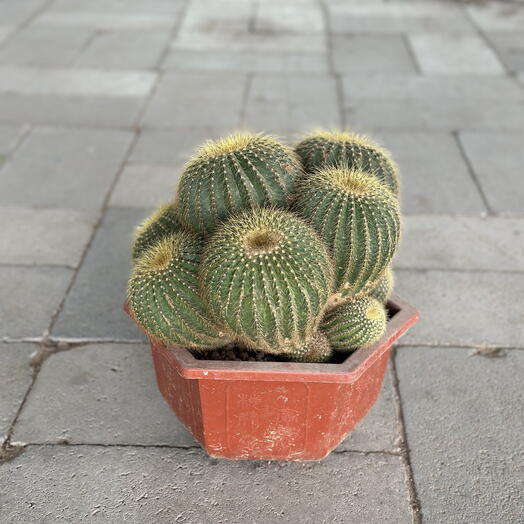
160, 224
241, 171
359, 323
383, 287
358, 218
317, 350
163, 294
338, 149
266, 276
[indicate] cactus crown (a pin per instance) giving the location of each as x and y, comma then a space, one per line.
267, 248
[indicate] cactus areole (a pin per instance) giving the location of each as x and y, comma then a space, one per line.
277, 255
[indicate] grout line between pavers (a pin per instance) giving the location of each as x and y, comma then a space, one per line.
411, 52
404, 446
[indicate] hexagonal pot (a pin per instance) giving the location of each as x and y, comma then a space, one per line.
276, 410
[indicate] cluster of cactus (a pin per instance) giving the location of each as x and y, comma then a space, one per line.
280, 250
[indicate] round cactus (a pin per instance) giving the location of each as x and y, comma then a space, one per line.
359, 323
266, 277
358, 218
160, 224
339, 149
163, 294
383, 288
317, 350
239, 172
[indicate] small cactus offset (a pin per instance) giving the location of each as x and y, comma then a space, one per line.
359, 323
163, 294
335, 149
358, 218
267, 249
242, 171
267, 276
161, 223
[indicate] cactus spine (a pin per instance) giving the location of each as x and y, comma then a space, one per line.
337, 149
359, 323
163, 294
358, 218
160, 224
317, 350
383, 288
242, 171
266, 276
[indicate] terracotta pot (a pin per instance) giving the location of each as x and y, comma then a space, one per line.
275, 410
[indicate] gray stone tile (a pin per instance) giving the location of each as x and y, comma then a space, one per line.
291, 104
370, 53
112, 383
498, 16
161, 485
445, 53
196, 99
75, 82
175, 146
497, 160
95, 111
464, 431
15, 13
62, 167
93, 308
247, 61
44, 46
30, 298
466, 243
15, 378
217, 17
379, 431
379, 17
464, 308
10, 135
510, 48
282, 17
160, 7
434, 176
448, 115
145, 186
43, 236
5, 32
124, 49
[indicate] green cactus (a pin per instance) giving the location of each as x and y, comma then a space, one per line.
339, 149
163, 294
359, 323
160, 224
241, 171
358, 218
317, 350
266, 276
383, 288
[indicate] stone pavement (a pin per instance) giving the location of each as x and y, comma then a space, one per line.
101, 101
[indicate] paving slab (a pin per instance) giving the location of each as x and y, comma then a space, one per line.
160, 7
383, 18
43, 236
174, 146
464, 243
112, 383
92, 111
464, 308
291, 104
445, 53
30, 298
510, 48
79, 82
145, 186
433, 173
196, 99
217, 17
464, 432
15, 378
44, 46
284, 18
497, 160
64, 167
16, 13
10, 136
371, 53
124, 49
162, 485
93, 308
498, 16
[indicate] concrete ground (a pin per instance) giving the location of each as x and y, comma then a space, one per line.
101, 101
